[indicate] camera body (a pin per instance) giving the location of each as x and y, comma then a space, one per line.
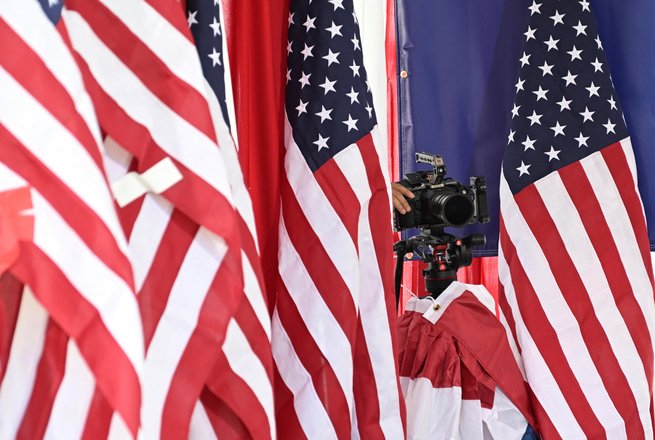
440, 201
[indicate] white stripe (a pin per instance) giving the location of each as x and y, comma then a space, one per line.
147, 234
177, 324
245, 364
173, 134
617, 218
255, 295
321, 324
118, 430
539, 376
71, 405
34, 28
537, 269
372, 304
433, 413
512, 343
20, 374
320, 214
201, 427
93, 280
309, 409
51, 141
167, 43
587, 264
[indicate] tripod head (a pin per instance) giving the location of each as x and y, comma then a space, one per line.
443, 252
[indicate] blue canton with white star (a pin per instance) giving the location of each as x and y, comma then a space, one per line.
566, 106
52, 9
203, 19
328, 99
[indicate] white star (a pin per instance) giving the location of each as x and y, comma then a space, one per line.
612, 103
564, 104
52, 3
585, 5
328, 86
609, 126
302, 107
289, 48
575, 53
523, 169
351, 123
331, 57
558, 18
580, 28
216, 26
355, 43
519, 85
600, 45
547, 69
355, 69
529, 33
324, 114
541, 93
307, 52
304, 79
353, 96
535, 118
558, 129
598, 66
290, 19
510, 137
217, 2
515, 110
528, 144
355, 18
191, 18
334, 30
288, 75
337, 4
534, 9
593, 90
369, 109
587, 115
569, 78
582, 140
551, 43
524, 59
552, 154
215, 57
321, 142
309, 23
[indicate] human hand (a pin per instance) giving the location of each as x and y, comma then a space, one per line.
400, 194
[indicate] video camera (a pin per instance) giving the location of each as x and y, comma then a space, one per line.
439, 202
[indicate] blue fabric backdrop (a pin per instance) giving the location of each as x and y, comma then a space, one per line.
461, 58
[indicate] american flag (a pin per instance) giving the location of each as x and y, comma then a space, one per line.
241, 383
143, 73
333, 331
574, 261
75, 329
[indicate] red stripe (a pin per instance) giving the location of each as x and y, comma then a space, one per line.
509, 315
201, 351
141, 60
285, 411
579, 189
86, 223
128, 214
324, 380
320, 267
28, 69
173, 12
618, 165
391, 55
173, 247
239, 397
226, 424
114, 373
98, 418
192, 195
341, 196
545, 338
49, 375
367, 403
256, 335
573, 291
11, 295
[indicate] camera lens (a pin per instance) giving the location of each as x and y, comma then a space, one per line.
454, 209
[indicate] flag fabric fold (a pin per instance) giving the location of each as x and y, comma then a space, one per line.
574, 263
